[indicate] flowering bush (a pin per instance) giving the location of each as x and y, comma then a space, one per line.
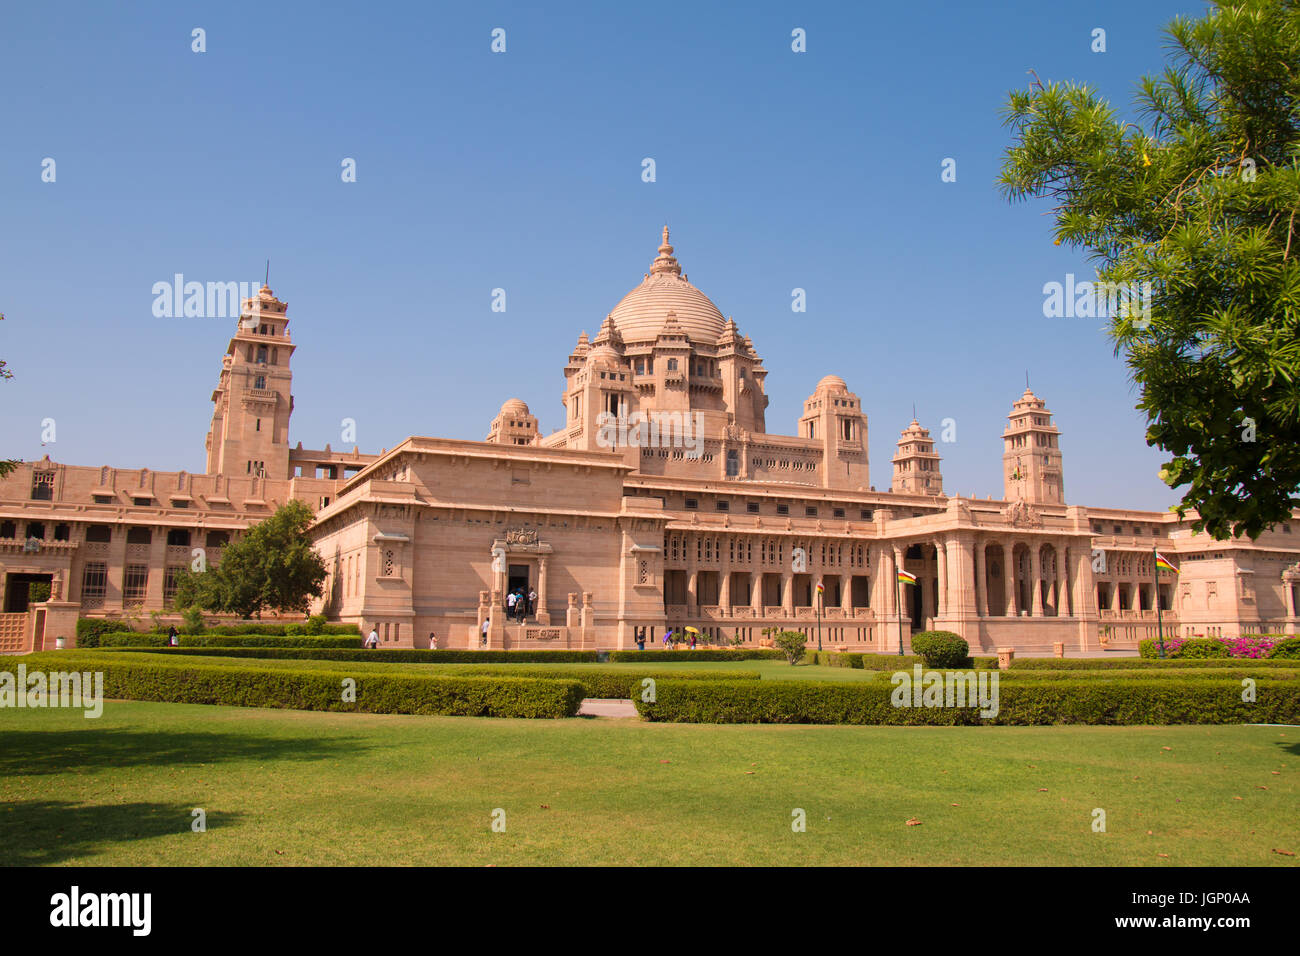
1250, 645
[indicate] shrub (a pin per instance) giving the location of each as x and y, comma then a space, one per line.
193, 620
792, 644
749, 654
1188, 648
1085, 700
90, 629
1134, 663
1286, 649
132, 639
315, 625
250, 686
941, 649
293, 630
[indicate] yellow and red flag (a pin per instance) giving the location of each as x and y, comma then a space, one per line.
905, 577
1164, 564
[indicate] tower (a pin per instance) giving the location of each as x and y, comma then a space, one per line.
916, 463
1031, 456
252, 402
514, 425
833, 415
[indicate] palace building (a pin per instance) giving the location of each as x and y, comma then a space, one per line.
663, 502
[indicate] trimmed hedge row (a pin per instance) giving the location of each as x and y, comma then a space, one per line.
91, 629
739, 654
132, 639
1196, 648
193, 683
1082, 701
1226, 669
1138, 663
615, 684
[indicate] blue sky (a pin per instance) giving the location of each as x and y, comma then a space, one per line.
522, 171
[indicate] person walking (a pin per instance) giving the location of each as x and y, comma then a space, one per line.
372, 641
173, 640
433, 641
521, 605
640, 638
484, 640
511, 599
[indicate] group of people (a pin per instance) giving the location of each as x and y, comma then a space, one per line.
639, 636
520, 605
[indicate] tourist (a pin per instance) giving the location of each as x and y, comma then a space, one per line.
372, 641
640, 638
486, 622
511, 598
433, 641
692, 640
172, 639
532, 601
521, 605
668, 638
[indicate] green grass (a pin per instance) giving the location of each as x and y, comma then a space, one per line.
292, 787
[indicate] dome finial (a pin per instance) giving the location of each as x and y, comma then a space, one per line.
664, 263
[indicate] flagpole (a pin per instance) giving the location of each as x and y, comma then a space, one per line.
1160, 626
898, 607
821, 597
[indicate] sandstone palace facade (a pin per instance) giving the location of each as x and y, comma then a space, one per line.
662, 502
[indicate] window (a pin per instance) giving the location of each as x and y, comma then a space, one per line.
94, 581
810, 511
139, 535
672, 365
42, 485
259, 382
62, 532
866, 514
259, 426
261, 355
99, 533
36, 529
752, 507
838, 512
134, 581
723, 505
216, 539
103, 499
142, 502
7, 529
783, 509
733, 463
692, 504
178, 538
180, 503
170, 576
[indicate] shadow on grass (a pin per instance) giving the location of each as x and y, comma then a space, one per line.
37, 752
48, 832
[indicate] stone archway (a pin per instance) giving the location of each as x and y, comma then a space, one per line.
522, 548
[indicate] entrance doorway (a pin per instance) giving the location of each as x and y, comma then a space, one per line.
17, 588
517, 578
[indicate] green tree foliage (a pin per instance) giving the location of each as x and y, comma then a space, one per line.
272, 566
7, 465
1200, 200
792, 645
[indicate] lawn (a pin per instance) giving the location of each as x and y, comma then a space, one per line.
294, 787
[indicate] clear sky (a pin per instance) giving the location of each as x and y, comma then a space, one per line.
522, 170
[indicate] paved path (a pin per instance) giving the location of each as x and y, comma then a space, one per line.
605, 707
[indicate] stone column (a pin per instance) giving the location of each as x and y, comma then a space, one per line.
153, 594
1010, 579
724, 577
756, 591
1036, 579
543, 615
941, 570
1067, 581
1288, 594
692, 594
981, 580
787, 592
1114, 594
846, 594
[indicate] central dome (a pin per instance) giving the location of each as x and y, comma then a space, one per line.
640, 316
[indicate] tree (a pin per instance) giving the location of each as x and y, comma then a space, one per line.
7, 465
272, 566
1202, 205
792, 644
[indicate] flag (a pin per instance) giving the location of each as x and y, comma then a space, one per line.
906, 578
1164, 564
820, 590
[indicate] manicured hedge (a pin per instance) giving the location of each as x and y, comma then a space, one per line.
193, 683
738, 654
1166, 700
1137, 663
91, 629
1227, 669
1287, 649
208, 639
595, 683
